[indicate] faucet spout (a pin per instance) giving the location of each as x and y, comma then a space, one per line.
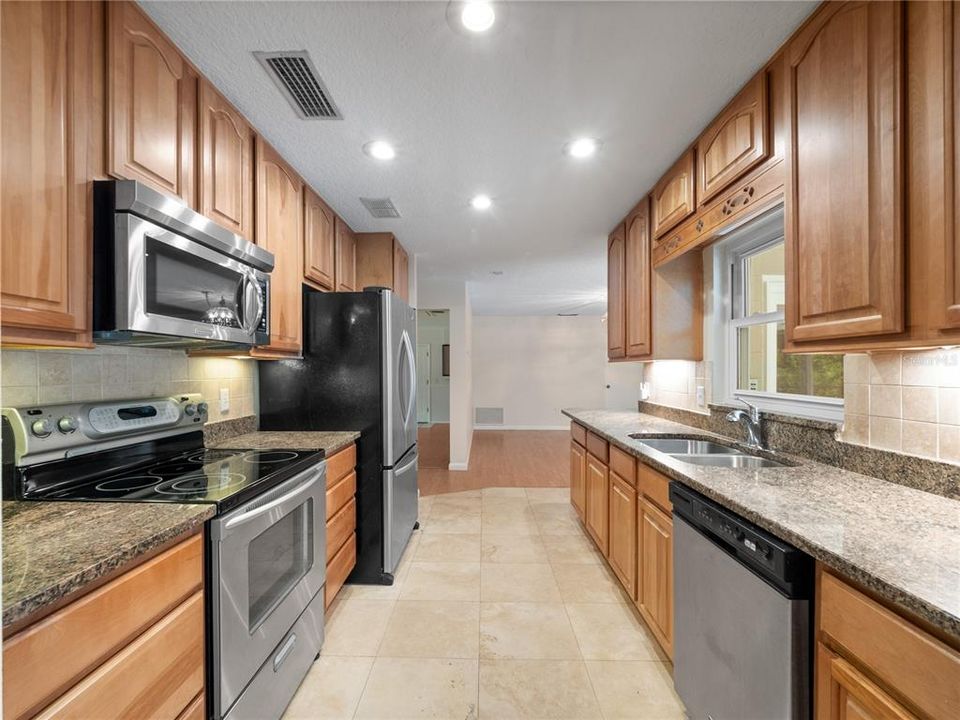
751, 420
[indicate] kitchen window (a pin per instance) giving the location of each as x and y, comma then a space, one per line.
754, 365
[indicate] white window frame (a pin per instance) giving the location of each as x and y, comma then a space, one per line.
725, 275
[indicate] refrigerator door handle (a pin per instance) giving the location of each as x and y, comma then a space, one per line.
412, 378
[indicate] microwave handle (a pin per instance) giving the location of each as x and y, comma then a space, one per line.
250, 280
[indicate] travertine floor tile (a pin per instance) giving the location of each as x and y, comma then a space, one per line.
571, 549
512, 549
331, 690
442, 581
527, 630
518, 582
439, 547
610, 631
547, 495
355, 627
513, 522
449, 521
426, 628
588, 583
540, 689
635, 690
401, 688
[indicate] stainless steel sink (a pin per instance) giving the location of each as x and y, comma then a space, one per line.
738, 460
707, 452
679, 446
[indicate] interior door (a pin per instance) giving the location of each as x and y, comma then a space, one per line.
423, 383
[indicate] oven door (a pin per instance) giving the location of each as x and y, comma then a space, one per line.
268, 563
168, 284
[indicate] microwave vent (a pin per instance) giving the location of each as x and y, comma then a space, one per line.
380, 207
298, 80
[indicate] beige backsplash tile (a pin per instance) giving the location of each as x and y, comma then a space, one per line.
885, 433
920, 404
885, 401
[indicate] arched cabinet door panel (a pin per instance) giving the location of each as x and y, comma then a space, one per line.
616, 329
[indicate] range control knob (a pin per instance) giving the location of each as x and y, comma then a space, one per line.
67, 424
190, 409
42, 428
202, 408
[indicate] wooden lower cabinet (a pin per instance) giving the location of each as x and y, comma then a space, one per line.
578, 471
131, 648
341, 519
655, 571
598, 501
623, 532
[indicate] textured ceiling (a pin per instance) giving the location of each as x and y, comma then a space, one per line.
490, 113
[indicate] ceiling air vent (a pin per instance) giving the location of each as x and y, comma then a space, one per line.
380, 207
297, 78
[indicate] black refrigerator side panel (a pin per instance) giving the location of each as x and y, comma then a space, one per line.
337, 386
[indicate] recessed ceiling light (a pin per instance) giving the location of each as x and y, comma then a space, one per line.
481, 202
477, 16
380, 149
582, 147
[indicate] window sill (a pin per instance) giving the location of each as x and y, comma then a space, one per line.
804, 406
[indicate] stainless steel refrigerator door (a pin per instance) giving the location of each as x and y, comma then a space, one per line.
399, 378
400, 508
740, 647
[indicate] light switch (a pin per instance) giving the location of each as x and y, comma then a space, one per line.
224, 400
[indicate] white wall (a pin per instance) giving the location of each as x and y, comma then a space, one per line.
435, 331
535, 365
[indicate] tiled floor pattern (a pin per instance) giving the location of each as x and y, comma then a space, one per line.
502, 609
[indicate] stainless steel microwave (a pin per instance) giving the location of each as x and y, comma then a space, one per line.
166, 276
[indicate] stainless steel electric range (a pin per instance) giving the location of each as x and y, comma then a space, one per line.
266, 545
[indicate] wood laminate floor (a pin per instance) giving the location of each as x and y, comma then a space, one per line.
433, 444
505, 458
502, 608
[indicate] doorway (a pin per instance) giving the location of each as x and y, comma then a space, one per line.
433, 381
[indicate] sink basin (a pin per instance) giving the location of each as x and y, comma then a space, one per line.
738, 460
678, 446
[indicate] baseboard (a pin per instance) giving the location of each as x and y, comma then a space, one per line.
458, 466
521, 427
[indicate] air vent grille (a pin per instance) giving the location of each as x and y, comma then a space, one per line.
380, 207
298, 80
488, 415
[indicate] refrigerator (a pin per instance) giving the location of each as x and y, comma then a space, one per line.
358, 372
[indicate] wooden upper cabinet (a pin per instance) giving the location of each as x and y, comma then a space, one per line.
401, 272
279, 216
735, 142
382, 262
616, 294
950, 307
845, 197
52, 139
637, 277
151, 105
673, 198
346, 257
226, 163
319, 227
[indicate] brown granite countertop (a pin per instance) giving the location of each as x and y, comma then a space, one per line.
328, 441
901, 542
53, 550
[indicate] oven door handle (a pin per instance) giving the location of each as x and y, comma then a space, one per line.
285, 499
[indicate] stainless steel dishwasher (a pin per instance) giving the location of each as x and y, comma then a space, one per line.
742, 616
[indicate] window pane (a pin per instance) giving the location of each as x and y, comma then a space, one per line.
763, 281
763, 366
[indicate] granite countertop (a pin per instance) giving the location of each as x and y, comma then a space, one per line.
901, 542
328, 441
52, 550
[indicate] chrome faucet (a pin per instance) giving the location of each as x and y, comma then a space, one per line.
751, 420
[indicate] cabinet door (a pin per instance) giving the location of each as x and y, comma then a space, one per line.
637, 281
735, 142
655, 572
226, 163
673, 198
844, 205
598, 499
400, 271
152, 105
319, 227
52, 139
280, 230
844, 693
616, 294
578, 469
346, 274
950, 309
623, 531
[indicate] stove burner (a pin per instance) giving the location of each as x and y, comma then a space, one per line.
269, 457
201, 483
128, 484
211, 456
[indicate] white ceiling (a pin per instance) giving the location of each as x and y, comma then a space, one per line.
490, 113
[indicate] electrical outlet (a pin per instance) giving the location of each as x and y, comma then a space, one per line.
701, 396
644, 391
224, 401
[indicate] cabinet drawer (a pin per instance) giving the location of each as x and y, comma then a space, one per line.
46, 659
340, 494
339, 568
156, 676
578, 433
341, 464
340, 526
623, 464
597, 447
914, 664
655, 486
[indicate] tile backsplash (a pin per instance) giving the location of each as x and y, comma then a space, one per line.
904, 401
33, 377
674, 383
